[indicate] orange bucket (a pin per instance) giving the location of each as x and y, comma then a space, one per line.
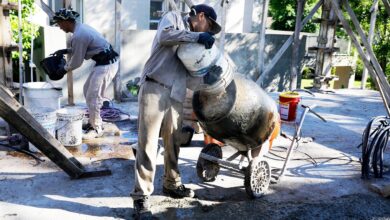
288, 104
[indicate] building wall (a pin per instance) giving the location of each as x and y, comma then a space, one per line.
100, 14
241, 47
135, 14
239, 14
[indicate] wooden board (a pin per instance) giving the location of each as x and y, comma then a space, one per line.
20, 119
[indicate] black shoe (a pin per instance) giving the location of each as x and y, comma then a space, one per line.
180, 192
141, 209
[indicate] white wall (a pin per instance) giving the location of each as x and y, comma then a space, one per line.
100, 14
239, 14
135, 14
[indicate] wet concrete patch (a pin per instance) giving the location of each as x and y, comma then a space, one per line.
115, 143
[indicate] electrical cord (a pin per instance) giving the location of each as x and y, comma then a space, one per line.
373, 145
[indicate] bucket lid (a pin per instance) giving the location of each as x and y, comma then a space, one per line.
69, 112
36, 110
289, 94
40, 85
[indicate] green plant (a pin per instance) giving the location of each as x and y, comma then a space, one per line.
283, 13
307, 73
359, 69
29, 30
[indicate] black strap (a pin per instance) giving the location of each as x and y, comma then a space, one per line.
105, 57
147, 78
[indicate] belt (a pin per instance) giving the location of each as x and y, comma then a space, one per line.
157, 82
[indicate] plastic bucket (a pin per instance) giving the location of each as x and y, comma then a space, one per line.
41, 94
47, 118
288, 103
69, 126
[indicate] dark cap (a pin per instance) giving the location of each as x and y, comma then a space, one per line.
210, 14
64, 15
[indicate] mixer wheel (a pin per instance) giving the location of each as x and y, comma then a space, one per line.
257, 178
206, 169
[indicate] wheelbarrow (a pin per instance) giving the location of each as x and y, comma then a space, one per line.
243, 116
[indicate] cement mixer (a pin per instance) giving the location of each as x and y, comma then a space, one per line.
235, 111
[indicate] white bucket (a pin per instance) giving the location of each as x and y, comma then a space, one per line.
69, 126
47, 118
41, 94
197, 59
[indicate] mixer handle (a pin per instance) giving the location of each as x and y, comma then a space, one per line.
312, 111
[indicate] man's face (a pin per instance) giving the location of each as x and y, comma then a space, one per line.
200, 23
66, 26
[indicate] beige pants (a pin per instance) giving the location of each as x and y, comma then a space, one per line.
157, 111
94, 90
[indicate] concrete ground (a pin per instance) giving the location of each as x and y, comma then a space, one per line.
322, 180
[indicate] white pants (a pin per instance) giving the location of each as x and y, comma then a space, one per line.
94, 90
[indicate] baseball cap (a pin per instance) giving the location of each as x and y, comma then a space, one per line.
210, 14
63, 15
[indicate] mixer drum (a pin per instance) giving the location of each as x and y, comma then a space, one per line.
242, 116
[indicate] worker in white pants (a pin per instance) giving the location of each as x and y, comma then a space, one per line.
87, 43
94, 91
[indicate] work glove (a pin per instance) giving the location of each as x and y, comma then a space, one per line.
207, 39
61, 52
213, 75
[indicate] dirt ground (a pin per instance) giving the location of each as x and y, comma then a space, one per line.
322, 181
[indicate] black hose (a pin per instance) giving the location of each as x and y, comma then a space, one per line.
374, 144
28, 153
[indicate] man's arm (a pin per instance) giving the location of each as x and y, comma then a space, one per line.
168, 33
62, 52
78, 50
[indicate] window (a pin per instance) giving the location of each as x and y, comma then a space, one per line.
155, 7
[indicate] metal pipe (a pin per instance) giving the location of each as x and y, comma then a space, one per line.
297, 131
224, 163
32, 55
20, 52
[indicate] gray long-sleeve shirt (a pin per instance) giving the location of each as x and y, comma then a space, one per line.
163, 65
85, 43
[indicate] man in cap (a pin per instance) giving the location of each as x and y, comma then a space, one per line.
162, 92
87, 43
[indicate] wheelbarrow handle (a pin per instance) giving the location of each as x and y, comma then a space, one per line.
312, 111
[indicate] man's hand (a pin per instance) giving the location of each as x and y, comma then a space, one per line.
213, 75
61, 52
206, 39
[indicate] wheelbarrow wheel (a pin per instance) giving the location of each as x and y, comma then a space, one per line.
257, 178
207, 170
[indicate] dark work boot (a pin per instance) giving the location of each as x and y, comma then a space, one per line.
180, 192
142, 209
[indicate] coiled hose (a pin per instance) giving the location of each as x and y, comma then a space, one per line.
108, 112
374, 142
